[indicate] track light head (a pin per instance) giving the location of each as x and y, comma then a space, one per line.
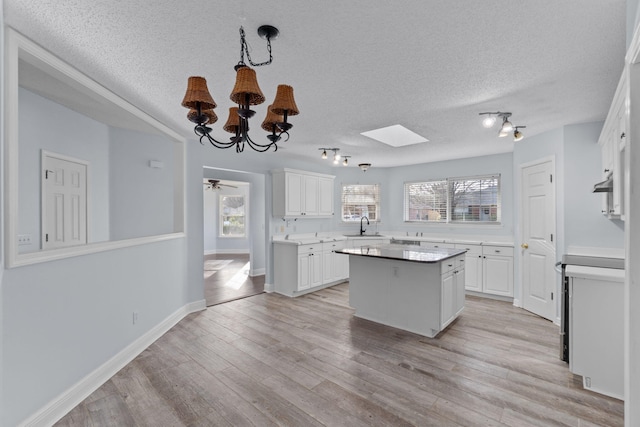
517, 135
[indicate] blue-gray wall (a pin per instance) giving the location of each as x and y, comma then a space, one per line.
141, 197
61, 131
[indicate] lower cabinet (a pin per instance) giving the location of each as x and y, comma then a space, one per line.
489, 269
453, 291
299, 269
309, 270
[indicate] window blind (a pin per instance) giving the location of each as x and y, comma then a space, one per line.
425, 201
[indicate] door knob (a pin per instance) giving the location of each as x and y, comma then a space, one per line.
524, 246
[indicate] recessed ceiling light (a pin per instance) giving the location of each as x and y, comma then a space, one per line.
395, 136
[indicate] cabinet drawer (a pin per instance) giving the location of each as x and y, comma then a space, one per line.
460, 261
332, 246
447, 265
308, 249
497, 250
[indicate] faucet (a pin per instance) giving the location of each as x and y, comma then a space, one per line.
362, 230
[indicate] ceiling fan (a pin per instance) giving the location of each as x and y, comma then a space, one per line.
214, 184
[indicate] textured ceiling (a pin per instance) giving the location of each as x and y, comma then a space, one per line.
355, 65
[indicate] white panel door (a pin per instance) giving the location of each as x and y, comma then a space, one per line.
304, 271
538, 245
64, 201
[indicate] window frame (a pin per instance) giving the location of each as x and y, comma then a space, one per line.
448, 202
221, 216
353, 219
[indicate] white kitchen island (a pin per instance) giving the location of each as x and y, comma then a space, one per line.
417, 289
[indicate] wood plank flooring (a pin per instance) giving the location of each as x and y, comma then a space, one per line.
230, 281
271, 360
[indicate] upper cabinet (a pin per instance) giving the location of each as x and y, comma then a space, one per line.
302, 194
613, 142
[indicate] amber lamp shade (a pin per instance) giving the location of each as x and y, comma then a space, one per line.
271, 120
198, 95
284, 102
246, 84
233, 122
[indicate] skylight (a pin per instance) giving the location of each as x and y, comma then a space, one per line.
395, 136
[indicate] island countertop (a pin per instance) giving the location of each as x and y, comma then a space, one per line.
411, 253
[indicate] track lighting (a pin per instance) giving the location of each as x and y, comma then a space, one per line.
324, 153
517, 135
506, 125
345, 162
506, 128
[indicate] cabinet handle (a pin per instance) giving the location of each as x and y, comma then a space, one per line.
461, 260
497, 251
449, 265
606, 170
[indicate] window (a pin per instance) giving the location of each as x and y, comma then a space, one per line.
454, 200
360, 200
232, 216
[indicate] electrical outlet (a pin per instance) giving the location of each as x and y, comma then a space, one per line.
135, 317
24, 239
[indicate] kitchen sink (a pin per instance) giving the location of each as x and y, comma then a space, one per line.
371, 236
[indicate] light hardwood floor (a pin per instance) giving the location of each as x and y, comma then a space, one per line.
271, 360
230, 281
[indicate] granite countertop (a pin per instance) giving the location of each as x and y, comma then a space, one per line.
404, 252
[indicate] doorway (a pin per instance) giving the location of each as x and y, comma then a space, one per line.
537, 222
233, 231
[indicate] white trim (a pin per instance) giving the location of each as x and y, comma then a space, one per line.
257, 272
61, 405
517, 303
227, 252
15, 44
52, 255
269, 287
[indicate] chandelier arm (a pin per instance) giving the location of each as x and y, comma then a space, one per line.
261, 148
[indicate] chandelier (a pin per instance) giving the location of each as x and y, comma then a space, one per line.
246, 93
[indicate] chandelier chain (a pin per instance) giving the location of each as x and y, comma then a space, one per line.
244, 48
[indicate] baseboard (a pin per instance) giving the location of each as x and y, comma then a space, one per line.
257, 272
268, 287
61, 405
227, 251
516, 303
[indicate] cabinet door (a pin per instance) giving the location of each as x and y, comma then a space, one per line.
304, 272
498, 275
328, 266
472, 267
342, 266
325, 196
315, 268
460, 290
293, 199
448, 289
310, 195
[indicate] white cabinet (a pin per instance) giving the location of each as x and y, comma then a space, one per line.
335, 267
473, 266
356, 242
309, 271
596, 328
613, 142
489, 269
325, 196
299, 269
301, 194
436, 244
453, 292
497, 270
